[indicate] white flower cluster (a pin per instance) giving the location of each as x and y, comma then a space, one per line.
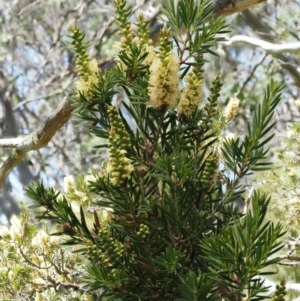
232, 108
34, 263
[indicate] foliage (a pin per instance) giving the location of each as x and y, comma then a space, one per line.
164, 221
36, 265
283, 181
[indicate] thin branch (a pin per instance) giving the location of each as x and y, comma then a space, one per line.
290, 264
251, 75
290, 257
29, 7
228, 7
34, 96
267, 46
36, 140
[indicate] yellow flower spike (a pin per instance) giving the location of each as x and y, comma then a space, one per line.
164, 82
192, 94
119, 167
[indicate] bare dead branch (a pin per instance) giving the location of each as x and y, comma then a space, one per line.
294, 260
228, 7
29, 7
267, 46
35, 140
290, 257
290, 264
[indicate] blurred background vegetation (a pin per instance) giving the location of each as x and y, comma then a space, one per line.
37, 69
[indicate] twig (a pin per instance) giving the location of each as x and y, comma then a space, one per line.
251, 75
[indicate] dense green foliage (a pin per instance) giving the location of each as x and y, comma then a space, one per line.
160, 221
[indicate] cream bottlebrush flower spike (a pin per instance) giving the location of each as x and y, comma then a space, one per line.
164, 78
164, 82
192, 94
231, 109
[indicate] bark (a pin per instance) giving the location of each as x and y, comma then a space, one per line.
36, 140
228, 7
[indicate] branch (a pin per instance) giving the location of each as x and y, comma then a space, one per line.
267, 46
36, 140
289, 257
228, 7
294, 258
290, 264
249, 78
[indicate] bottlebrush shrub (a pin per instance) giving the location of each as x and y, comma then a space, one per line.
160, 221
